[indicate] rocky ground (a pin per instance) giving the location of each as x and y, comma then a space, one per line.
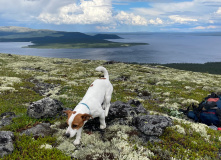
143, 123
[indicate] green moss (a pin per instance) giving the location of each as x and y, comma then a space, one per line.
28, 148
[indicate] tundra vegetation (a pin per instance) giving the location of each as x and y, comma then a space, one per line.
161, 90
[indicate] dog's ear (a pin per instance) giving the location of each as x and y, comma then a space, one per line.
69, 112
86, 117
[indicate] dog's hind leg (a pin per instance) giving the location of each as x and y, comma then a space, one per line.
106, 105
102, 121
107, 100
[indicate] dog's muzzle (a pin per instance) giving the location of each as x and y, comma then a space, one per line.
67, 135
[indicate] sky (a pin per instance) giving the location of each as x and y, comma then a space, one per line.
113, 15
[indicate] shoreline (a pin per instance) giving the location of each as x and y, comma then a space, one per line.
207, 67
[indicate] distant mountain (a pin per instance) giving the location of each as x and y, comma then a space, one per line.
107, 36
42, 38
22, 34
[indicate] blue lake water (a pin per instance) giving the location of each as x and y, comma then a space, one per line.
163, 48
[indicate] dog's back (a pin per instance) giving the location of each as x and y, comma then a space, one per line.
100, 87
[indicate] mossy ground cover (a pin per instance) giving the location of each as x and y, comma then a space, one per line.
169, 90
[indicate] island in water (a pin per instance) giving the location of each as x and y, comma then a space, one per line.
41, 38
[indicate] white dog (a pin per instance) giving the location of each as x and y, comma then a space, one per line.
95, 103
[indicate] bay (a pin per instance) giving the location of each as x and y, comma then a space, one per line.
163, 48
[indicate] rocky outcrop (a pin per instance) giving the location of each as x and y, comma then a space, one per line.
119, 112
6, 143
41, 87
132, 113
6, 118
120, 109
45, 108
42, 129
152, 125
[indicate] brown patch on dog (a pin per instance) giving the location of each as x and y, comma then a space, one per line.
91, 85
79, 119
69, 113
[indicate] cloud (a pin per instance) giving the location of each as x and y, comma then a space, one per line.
112, 14
182, 20
157, 21
130, 19
218, 11
91, 12
155, 1
87, 12
28, 10
105, 28
203, 28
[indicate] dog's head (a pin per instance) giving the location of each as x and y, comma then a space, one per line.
75, 121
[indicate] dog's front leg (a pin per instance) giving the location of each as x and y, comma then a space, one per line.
78, 137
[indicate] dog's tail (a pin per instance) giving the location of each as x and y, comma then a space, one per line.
104, 70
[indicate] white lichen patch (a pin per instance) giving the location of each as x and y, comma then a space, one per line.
189, 101
8, 89
179, 129
46, 146
9, 81
166, 94
74, 83
188, 88
201, 129
53, 78
169, 105
116, 145
197, 127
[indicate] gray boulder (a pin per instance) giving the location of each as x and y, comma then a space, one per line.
152, 125
6, 118
45, 108
132, 108
6, 143
42, 129
119, 112
41, 87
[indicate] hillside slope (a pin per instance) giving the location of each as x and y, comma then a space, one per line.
160, 89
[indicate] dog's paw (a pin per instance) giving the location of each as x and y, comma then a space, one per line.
76, 142
102, 126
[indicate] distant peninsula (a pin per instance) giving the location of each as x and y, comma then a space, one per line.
49, 39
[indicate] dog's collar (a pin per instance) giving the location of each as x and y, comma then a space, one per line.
86, 106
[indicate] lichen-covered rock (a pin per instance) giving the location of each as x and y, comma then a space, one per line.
119, 112
42, 129
45, 108
152, 125
120, 109
6, 118
41, 87
6, 143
